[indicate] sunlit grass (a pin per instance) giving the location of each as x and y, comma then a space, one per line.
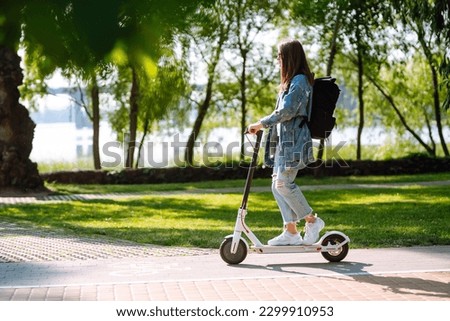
62, 165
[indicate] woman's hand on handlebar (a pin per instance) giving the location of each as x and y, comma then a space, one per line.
254, 128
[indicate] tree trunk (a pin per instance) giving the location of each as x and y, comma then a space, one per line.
430, 133
146, 128
134, 96
437, 110
95, 123
203, 108
318, 171
243, 100
436, 101
361, 104
17, 172
390, 99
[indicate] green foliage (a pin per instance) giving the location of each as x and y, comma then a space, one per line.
10, 17
100, 40
408, 90
159, 94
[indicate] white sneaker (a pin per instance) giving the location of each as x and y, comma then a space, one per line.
286, 238
312, 231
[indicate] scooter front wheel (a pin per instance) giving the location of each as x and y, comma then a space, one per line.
230, 258
340, 253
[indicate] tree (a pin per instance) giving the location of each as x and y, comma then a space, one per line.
145, 25
317, 16
158, 96
441, 24
54, 30
392, 83
250, 19
88, 39
209, 32
360, 25
87, 86
56, 25
163, 94
92, 105
427, 22
16, 127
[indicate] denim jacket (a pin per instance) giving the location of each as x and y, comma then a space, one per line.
287, 130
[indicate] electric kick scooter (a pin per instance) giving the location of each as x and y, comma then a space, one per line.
333, 245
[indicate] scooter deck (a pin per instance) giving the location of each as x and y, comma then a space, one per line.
267, 249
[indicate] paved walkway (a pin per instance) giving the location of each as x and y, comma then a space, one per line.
37, 264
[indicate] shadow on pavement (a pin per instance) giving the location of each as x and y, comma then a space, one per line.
356, 271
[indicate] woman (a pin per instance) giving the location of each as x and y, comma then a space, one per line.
289, 145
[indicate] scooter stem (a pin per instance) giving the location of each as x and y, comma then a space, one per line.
251, 170
240, 220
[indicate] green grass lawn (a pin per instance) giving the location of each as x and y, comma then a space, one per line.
406, 216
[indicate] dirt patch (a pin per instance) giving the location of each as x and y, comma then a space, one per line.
18, 192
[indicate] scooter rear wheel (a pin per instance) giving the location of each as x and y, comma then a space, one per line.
340, 253
230, 258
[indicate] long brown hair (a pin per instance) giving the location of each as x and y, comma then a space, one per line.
292, 62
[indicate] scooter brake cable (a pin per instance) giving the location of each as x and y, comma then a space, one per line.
246, 136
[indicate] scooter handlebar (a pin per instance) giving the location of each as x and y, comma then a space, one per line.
258, 134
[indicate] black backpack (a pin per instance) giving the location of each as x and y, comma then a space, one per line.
325, 96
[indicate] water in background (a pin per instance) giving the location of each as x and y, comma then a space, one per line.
65, 142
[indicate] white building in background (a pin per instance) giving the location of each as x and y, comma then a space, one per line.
63, 131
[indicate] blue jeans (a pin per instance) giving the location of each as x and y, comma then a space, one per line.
291, 201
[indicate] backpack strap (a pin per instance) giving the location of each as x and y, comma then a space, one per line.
308, 118
310, 102
309, 110
303, 122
